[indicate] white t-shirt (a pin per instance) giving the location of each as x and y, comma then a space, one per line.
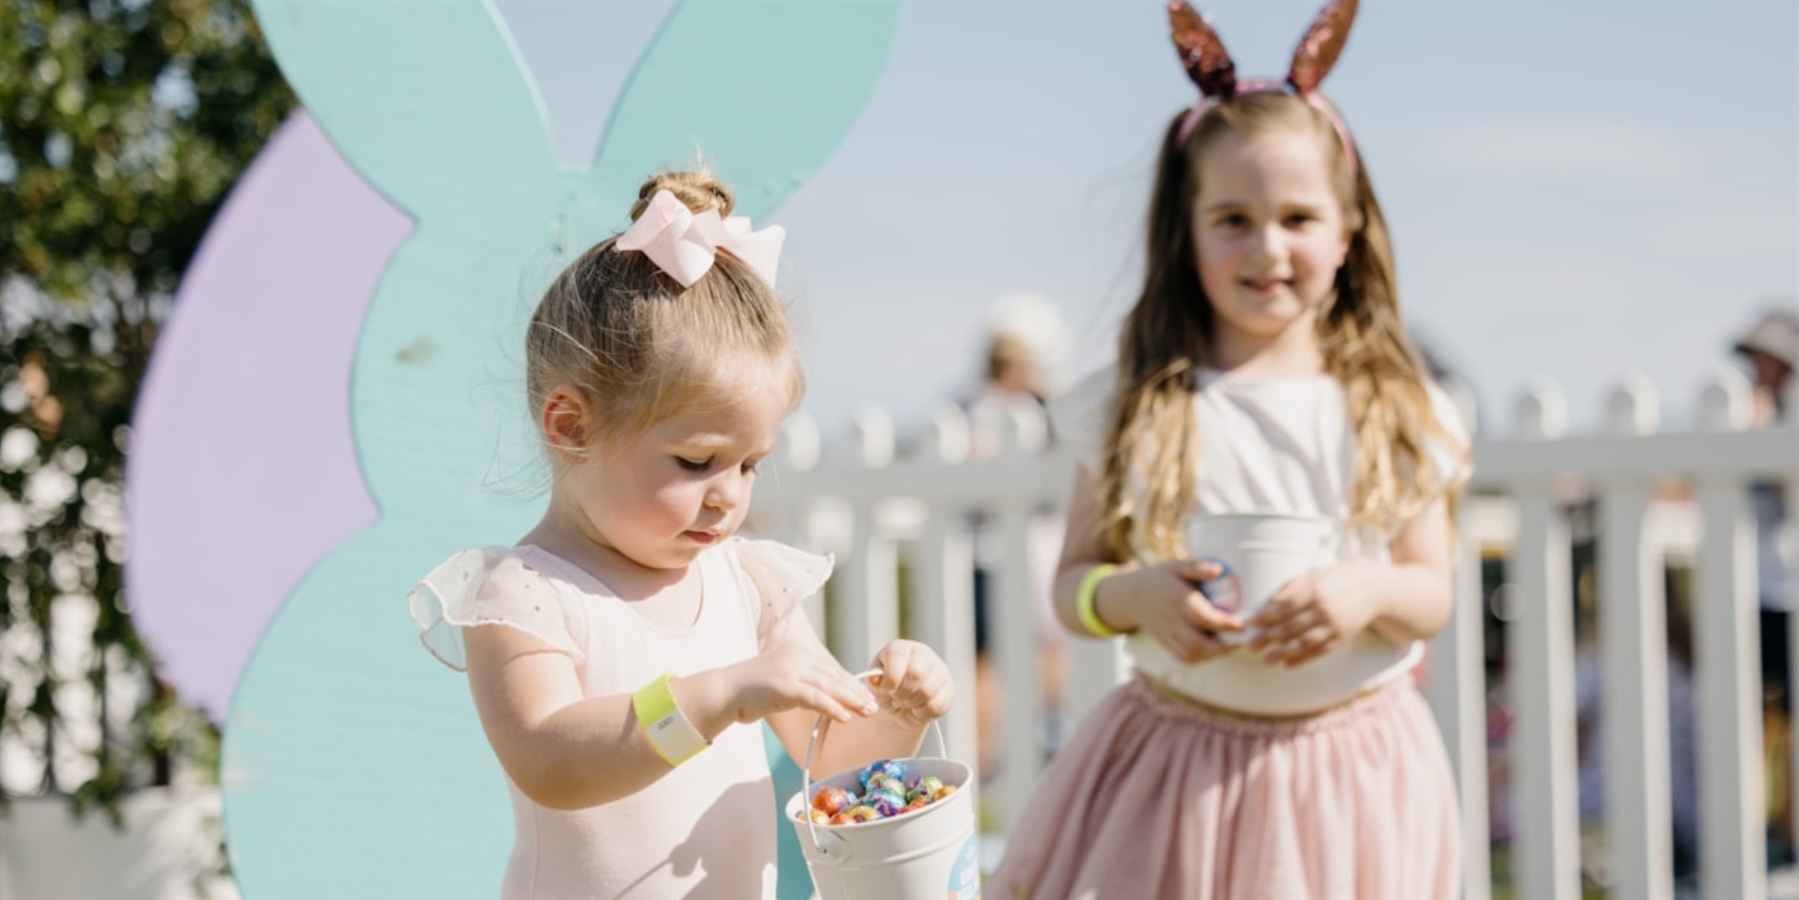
1267, 445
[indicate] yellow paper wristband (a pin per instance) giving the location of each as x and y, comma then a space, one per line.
668, 729
1085, 598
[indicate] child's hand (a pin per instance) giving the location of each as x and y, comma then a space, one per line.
798, 673
914, 681
1162, 600
1309, 617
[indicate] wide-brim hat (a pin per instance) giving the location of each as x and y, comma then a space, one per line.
1776, 335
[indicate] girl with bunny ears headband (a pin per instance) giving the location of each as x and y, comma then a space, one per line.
1265, 405
1173, 330
644, 644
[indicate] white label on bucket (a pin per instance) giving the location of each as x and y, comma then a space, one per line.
965, 875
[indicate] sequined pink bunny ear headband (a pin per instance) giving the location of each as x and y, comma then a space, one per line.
1211, 68
685, 244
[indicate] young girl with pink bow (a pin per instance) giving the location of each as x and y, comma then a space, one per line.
1264, 370
624, 653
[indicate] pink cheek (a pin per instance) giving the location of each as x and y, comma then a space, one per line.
1222, 257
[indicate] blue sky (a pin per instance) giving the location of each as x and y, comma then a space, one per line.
1576, 189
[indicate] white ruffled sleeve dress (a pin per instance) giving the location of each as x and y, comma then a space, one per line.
701, 830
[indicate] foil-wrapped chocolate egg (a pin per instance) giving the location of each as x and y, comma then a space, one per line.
891, 767
833, 800
887, 803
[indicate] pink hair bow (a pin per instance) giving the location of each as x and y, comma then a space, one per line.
685, 244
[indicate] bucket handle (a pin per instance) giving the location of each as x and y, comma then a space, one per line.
818, 735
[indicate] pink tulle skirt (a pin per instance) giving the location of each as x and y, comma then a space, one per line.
1154, 797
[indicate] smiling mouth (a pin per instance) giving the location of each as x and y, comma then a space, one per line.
1264, 285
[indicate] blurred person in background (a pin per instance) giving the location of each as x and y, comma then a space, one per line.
1025, 334
1770, 349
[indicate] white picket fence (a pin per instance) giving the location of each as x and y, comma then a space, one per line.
875, 507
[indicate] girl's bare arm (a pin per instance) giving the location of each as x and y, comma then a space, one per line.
566, 751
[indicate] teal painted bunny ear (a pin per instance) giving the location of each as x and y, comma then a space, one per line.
414, 115
765, 91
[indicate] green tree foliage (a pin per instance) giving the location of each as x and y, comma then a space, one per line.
122, 127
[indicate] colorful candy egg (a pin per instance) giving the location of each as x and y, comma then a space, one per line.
891, 767
887, 803
833, 800
1223, 591
881, 781
863, 813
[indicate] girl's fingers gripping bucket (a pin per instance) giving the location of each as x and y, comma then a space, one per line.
928, 852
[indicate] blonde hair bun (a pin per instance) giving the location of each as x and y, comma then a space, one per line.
700, 190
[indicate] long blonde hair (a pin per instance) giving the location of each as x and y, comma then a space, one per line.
639, 346
1150, 467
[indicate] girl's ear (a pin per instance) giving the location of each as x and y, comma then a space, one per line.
565, 420
428, 101
1350, 229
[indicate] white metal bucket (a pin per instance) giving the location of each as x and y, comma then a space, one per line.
929, 852
1264, 551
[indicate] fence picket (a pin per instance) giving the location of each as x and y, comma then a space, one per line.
1634, 663
1454, 685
